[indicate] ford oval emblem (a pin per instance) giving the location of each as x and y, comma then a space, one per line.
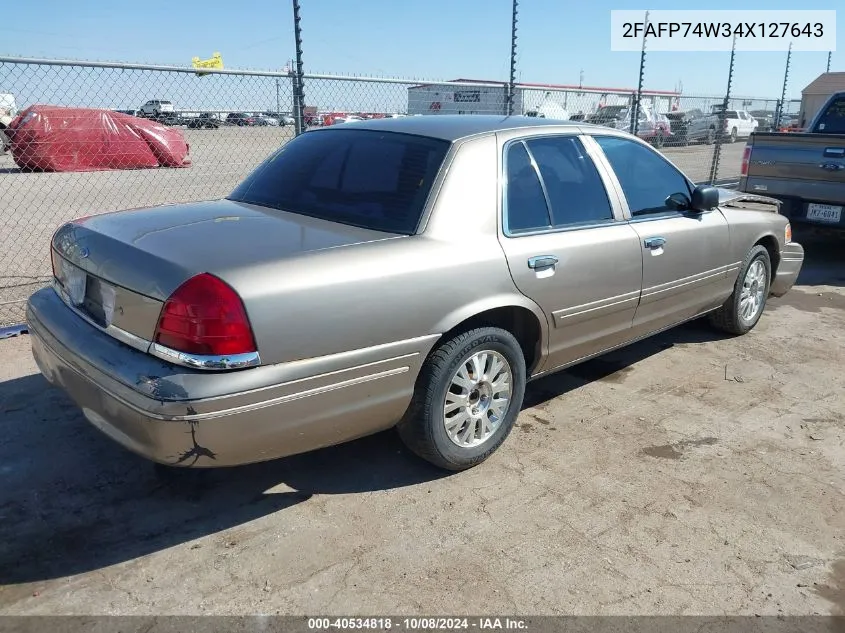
84, 252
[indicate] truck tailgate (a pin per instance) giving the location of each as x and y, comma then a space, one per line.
806, 172
796, 156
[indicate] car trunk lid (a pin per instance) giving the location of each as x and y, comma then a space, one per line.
117, 269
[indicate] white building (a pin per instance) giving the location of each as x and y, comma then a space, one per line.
471, 96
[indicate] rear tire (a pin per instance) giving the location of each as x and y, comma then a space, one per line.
743, 309
443, 424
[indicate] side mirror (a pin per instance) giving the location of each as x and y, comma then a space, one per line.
678, 202
704, 198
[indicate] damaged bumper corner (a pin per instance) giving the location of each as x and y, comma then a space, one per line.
791, 260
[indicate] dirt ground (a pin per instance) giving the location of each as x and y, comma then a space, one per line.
688, 474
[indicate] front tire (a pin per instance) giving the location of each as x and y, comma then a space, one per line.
467, 398
743, 309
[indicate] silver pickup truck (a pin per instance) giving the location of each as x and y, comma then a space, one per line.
804, 170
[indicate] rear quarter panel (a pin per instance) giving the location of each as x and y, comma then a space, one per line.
748, 227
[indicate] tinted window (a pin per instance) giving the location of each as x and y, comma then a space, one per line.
647, 179
833, 119
370, 179
526, 208
573, 185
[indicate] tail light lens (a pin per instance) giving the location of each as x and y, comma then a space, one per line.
787, 233
746, 157
205, 316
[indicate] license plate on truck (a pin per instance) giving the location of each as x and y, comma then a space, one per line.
824, 212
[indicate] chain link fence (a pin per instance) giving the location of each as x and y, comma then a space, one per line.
227, 122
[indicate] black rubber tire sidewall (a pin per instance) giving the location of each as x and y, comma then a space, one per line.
438, 448
755, 254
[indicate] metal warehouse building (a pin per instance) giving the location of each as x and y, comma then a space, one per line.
471, 96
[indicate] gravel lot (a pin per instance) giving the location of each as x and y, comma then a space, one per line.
33, 205
688, 474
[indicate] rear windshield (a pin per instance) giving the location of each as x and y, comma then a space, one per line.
375, 180
833, 119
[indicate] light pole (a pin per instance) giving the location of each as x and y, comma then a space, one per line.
513, 59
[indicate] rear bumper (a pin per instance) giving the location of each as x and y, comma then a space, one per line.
171, 414
791, 260
794, 207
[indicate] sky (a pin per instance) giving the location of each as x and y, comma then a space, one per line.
430, 39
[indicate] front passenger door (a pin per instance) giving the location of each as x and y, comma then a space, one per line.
685, 255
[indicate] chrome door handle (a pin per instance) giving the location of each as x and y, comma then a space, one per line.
542, 261
655, 242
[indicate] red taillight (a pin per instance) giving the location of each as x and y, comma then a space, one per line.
746, 157
205, 316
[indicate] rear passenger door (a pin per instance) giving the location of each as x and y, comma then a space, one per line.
567, 245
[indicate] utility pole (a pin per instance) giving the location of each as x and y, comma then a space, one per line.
829, 55
783, 90
511, 87
635, 111
720, 133
298, 88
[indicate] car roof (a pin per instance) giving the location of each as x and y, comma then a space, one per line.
451, 127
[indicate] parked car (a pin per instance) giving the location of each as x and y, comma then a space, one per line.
281, 119
242, 119
158, 110
691, 126
765, 120
335, 307
263, 119
649, 127
804, 170
346, 119
206, 120
61, 139
738, 124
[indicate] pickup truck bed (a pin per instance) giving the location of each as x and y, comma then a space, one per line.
805, 171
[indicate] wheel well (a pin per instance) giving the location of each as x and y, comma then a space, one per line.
520, 322
771, 245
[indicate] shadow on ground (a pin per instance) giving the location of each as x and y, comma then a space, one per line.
824, 257
73, 501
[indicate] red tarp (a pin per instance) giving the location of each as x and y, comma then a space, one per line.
53, 138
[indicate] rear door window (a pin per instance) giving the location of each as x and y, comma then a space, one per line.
575, 190
526, 207
365, 178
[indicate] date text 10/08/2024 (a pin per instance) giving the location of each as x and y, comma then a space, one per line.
723, 29
417, 624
